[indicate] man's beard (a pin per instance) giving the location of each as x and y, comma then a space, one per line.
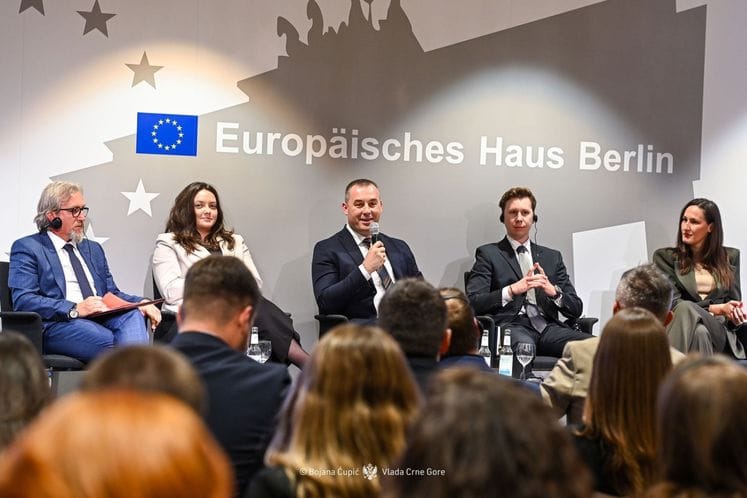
76, 236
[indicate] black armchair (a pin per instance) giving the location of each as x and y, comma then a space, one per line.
29, 324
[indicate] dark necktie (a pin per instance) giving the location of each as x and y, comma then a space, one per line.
80, 275
538, 321
386, 279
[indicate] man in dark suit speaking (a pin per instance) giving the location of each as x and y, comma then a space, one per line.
523, 285
352, 269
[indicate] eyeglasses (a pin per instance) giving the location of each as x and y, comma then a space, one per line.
76, 211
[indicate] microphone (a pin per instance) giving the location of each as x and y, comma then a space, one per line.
374, 232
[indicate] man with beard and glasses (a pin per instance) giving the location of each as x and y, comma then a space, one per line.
63, 277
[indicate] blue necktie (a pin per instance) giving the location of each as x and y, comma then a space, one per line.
80, 275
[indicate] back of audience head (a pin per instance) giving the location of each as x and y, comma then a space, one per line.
465, 334
415, 314
112, 444
702, 416
646, 287
147, 368
351, 406
24, 385
220, 290
630, 364
490, 438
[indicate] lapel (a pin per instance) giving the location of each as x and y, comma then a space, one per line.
348, 243
509, 255
687, 282
84, 248
53, 260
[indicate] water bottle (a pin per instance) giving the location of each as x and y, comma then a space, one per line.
254, 351
484, 350
506, 362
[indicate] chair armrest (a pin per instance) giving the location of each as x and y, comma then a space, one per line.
585, 324
326, 322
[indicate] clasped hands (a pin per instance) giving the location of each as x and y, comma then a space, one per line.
375, 257
534, 280
732, 310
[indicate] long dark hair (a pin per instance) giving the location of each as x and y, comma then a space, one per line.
713, 257
621, 408
183, 225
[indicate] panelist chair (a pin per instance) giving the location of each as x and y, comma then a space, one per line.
328, 322
64, 371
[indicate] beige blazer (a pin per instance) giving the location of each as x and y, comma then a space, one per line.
566, 387
171, 262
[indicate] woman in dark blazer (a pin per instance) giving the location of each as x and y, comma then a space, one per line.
708, 311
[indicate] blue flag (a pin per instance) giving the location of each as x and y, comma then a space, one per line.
171, 134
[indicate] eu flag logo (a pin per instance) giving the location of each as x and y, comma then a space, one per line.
170, 134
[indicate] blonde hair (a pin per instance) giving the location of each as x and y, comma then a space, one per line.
353, 405
112, 444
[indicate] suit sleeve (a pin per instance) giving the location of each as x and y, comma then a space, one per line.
736, 290
167, 271
333, 291
483, 298
24, 280
246, 256
557, 388
571, 304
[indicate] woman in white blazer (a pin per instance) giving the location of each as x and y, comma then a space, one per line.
194, 231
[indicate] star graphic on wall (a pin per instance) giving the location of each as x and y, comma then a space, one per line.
95, 19
27, 4
144, 71
91, 236
139, 199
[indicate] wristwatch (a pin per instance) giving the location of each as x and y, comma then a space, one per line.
73, 313
559, 293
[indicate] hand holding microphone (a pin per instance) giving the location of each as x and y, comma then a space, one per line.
376, 253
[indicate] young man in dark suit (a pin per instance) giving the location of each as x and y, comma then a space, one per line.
523, 285
352, 269
244, 397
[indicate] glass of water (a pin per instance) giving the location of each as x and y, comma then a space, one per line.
265, 348
524, 353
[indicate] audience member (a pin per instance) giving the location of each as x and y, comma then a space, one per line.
350, 411
415, 314
701, 419
244, 397
465, 332
350, 270
566, 386
523, 285
147, 368
618, 438
480, 436
708, 311
62, 276
195, 230
116, 444
24, 385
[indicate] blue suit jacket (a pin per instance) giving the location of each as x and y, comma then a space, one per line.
340, 287
37, 282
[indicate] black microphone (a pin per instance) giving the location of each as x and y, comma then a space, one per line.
374, 232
